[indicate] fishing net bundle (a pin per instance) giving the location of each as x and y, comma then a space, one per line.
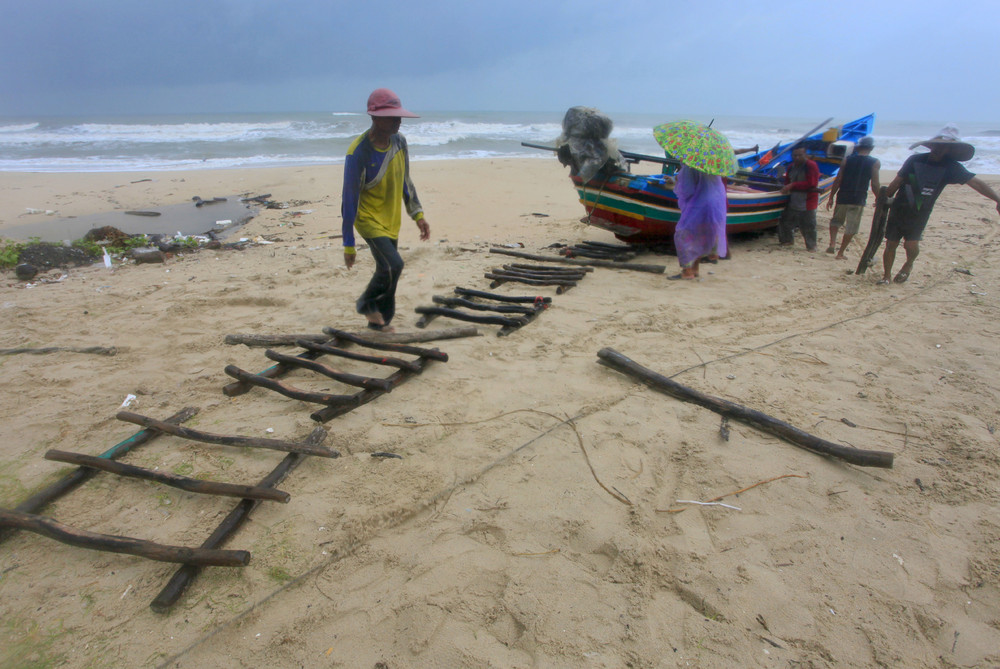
584, 144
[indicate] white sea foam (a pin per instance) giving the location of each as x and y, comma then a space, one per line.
196, 142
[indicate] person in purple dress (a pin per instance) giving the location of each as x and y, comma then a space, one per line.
701, 230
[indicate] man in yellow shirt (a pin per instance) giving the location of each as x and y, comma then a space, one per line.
376, 184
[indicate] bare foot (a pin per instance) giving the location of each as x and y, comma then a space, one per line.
841, 256
375, 318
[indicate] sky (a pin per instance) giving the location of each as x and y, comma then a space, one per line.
903, 59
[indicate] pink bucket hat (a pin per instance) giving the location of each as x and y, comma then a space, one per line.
383, 102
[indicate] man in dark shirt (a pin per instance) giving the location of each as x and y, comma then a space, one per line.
801, 180
851, 191
915, 190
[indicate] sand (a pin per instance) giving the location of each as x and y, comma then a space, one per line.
492, 543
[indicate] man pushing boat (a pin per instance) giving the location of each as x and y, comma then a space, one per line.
915, 190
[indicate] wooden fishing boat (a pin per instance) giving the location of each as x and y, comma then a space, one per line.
643, 208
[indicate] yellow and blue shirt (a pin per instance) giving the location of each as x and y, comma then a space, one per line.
376, 182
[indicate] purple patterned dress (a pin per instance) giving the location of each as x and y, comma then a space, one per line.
701, 230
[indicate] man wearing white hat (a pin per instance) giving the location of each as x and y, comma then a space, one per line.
915, 190
376, 182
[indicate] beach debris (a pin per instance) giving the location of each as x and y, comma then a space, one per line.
741, 490
259, 199
848, 423
107, 259
724, 428
600, 251
691, 501
793, 435
107, 233
143, 213
47, 212
385, 454
25, 271
148, 255
128, 401
198, 202
962, 270
536, 275
139, 181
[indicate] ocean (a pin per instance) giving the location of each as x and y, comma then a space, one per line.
160, 143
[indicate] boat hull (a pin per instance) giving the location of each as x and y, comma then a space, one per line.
641, 209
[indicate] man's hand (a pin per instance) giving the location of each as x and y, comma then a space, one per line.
349, 259
785, 190
829, 203
425, 229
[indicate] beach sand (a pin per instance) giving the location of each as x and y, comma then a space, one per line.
492, 542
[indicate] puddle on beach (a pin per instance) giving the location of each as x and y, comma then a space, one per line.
220, 218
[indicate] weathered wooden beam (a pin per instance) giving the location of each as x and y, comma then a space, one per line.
231, 524
384, 345
472, 318
514, 299
479, 306
289, 391
98, 350
53, 529
762, 421
638, 267
335, 374
273, 339
172, 480
226, 440
361, 357
74, 479
550, 268
268, 340
240, 387
365, 396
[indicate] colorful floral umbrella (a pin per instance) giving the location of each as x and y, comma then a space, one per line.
698, 146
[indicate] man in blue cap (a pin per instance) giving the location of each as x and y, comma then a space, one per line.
860, 169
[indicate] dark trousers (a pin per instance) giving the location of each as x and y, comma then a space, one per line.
804, 220
380, 295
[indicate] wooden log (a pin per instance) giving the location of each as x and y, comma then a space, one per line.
226, 440
472, 318
183, 577
522, 299
384, 345
326, 370
98, 350
273, 340
240, 387
638, 267
365, 396
72, 536
71, 481
505, 277
550, 268
287, 390
479, 306
351, 355
531, 274
172, 480
762, 421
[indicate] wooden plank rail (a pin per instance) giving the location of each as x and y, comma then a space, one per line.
183, 577
431, 353
472, 318
115, 544
351, 355
513, 299
326, 370
74, 479
638, 267
172, 480
480, 306
225, 440
365, 396
289, 391
793, 435
269, 340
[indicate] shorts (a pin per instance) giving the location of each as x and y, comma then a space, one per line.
900, 226
849, 214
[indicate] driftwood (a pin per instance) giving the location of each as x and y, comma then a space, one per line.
535, 274
655, 269
115, 544
142, 213
408, 365
71, 481
172, 480
762, 421
225, 440
377, 337
549, 268
148, 255
536, 280
99, 350
326, 370
522, 299
289, 391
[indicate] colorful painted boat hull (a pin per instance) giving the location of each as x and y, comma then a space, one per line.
642, 209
